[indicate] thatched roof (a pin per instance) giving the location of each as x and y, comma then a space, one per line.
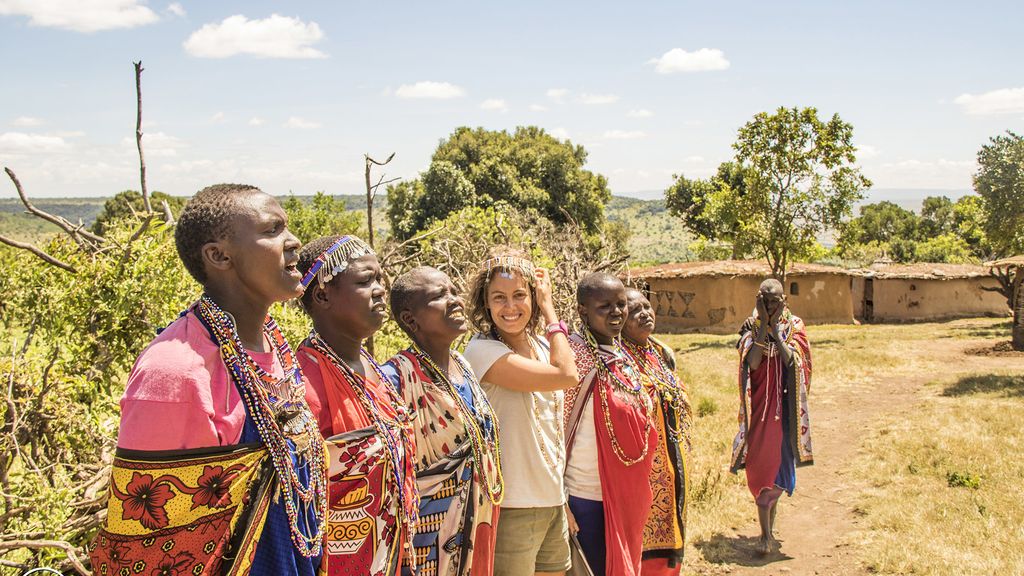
729, 268
1012, 261
733, 268
926, 271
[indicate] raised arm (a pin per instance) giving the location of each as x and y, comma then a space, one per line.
523, 374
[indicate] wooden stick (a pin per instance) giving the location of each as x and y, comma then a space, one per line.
138, 135
39, 253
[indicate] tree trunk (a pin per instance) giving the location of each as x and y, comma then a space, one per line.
1018, 308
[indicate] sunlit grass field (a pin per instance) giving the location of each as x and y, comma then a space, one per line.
936, 474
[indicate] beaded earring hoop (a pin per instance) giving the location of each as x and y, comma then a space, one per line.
335, 260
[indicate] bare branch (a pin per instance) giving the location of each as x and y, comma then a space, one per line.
67, 547
168, 215
138, 135
39, 253
64, 224
378, 163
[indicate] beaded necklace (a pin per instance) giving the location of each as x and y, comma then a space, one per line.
664, 381
479, 440
556, 462
633, 391
396, 434
278, 409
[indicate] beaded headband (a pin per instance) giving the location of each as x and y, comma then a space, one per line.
335, 260
509, 263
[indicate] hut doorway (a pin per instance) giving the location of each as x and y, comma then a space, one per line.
869, 299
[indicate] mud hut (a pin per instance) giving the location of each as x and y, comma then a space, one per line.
717, 296
924, 291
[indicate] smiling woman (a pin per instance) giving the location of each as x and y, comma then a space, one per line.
523, 375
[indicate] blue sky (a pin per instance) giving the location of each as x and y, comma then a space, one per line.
289, 95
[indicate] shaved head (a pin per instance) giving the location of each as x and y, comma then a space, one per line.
594, 283
771, 286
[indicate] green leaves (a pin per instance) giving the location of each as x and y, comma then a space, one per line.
527, 169
1000, 181
793, 178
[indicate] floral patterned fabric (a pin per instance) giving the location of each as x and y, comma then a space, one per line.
185, 512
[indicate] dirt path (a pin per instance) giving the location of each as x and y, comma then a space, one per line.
814, 524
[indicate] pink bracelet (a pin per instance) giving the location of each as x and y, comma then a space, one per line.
559, 326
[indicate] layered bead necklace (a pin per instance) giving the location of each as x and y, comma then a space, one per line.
633, 391
554, 463
278, 409
396, 434
665, 383
483, 444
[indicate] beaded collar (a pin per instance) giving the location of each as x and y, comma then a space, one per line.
284, 422
481, 442
395, 433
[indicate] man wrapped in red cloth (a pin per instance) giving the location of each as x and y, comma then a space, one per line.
774, 380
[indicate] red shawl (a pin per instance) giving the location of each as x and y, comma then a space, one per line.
625, 488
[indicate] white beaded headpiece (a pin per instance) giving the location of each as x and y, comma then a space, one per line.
335, 260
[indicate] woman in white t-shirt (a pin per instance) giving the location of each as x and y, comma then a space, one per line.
523, 375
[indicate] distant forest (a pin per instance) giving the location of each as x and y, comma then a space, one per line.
655, 236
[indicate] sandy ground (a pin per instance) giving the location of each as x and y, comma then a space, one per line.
813, 526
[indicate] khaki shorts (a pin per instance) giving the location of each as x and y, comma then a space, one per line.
531, 540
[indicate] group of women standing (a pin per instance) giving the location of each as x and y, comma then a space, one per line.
495, 456
236, 455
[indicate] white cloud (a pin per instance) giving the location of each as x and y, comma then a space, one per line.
694, 159
560, 133
22, 143
176, 9
623, 134
538, 108
80, 16
599, 98
217, 118
557, 94
913, 173
273, 37
256, 121
301, 123
27, 121
1004, 101
865, 151
496, 104
679, 60
427, 89
156, 144
641, 113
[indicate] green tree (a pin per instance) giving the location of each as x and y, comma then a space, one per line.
798, 179
129, 203
707, 207
528, 169
323, 215
936, 217
969, 217
1000, 182
881, 222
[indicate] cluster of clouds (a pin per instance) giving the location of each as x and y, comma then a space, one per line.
285, 37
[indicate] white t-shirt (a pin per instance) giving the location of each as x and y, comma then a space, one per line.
531, 479
582, 477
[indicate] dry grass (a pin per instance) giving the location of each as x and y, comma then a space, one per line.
957, 422
942, 486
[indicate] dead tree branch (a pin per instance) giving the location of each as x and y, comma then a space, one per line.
138, 135
78, 233
371, 192
67, 547
39, 253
